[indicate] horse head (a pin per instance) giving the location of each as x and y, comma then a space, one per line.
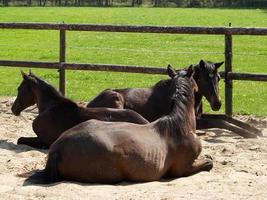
207, 78
25, 97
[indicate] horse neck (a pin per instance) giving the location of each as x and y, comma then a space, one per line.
44, 99
181, 120
198, 99
162, 91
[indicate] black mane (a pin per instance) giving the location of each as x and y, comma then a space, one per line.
50, 89
162, 83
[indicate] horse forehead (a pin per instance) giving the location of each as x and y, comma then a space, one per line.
182, 73
210, 67
211, 70
23, 84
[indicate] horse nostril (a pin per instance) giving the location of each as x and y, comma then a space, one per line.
15, 111
217, 105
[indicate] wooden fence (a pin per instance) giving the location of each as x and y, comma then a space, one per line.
62, 65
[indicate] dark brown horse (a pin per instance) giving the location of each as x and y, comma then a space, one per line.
57, 113
109, 152
154, 102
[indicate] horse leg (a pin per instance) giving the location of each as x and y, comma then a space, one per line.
244, 125
233, 121
32, 142
199, 166
220, 123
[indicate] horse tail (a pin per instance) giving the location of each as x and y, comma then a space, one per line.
51, 167
46, 176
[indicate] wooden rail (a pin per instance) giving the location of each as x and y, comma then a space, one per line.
138, 29
62, 65
120, 68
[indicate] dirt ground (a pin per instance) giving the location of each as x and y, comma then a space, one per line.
240, 168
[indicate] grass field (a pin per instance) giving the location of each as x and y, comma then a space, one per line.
250, 52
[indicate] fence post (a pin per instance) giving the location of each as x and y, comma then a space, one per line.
228, 68
62, 59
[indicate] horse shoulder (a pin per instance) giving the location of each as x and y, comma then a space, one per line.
45, 128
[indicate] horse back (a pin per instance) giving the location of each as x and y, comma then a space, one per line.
117, 151
107, 98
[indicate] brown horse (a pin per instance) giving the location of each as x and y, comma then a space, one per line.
154, 102
109, 152
57, 113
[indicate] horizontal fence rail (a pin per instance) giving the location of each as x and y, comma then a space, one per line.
138, 29
62, 65
121, 68
91, 67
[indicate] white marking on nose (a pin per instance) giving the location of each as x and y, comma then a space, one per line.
211, 75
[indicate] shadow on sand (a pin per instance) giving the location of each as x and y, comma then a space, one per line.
5, 144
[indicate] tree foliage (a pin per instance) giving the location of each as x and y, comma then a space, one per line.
154, 3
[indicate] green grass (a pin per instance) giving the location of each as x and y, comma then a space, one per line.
250, 52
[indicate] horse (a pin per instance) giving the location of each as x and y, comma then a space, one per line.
153, 102
109, 152
57, 113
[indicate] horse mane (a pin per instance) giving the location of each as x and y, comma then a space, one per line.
50, 89
162, 83
178, 121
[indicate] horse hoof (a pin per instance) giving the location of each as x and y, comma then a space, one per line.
20, 140
208, 156
208, 165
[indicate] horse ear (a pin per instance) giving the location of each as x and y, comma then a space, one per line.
171, 72
202, 63
32, 74
24, 75
28, 77
217, 65
190, 71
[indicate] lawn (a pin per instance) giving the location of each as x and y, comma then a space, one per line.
250, 52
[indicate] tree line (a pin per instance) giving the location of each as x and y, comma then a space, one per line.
133, 3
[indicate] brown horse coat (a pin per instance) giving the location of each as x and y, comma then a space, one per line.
154, 102
109, 152
57, 113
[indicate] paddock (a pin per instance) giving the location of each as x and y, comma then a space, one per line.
240, 167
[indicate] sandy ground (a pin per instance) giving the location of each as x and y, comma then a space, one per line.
240, 168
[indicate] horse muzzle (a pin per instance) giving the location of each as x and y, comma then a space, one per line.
215, 104
16, 109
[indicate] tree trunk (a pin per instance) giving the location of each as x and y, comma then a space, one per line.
29, 2
5, 3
